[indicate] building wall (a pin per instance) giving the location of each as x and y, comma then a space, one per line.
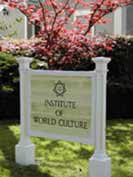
129, 18
14, 22
30, 30
121, 22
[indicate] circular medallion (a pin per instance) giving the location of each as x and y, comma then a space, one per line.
59, 88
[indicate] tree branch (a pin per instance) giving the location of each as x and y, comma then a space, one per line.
90, 24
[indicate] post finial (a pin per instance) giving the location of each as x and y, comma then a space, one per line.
101, 63
24, 62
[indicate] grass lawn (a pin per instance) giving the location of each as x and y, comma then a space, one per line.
65, 159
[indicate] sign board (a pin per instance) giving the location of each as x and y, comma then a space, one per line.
61, 107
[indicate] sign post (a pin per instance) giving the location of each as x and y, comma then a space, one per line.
24, 150
64, 105
100, 163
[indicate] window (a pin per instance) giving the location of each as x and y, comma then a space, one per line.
81, 12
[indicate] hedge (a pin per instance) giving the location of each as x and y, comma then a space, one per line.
9, 87
120, 79
119, 87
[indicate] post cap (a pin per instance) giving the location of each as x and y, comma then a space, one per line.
24, 62
22, 59
99, 60
101, 63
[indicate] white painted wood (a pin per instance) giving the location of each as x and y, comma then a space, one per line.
120, 21
63, 73
100, 163
24, 150
91, 137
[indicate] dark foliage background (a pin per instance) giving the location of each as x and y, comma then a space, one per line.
120, 79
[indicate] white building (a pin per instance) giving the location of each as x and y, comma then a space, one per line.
13, 23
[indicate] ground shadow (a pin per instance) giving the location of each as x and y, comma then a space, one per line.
7, 145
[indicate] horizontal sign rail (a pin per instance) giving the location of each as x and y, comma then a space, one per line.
63, 73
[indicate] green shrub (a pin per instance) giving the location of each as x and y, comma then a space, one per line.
121, 65
8, 73
120, 79
9, 83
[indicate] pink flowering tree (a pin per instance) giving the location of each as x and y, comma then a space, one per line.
64, 40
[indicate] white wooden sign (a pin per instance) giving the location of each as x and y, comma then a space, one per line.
62, 105
66, 105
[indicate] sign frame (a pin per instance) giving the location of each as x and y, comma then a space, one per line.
91, 76
99, 163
